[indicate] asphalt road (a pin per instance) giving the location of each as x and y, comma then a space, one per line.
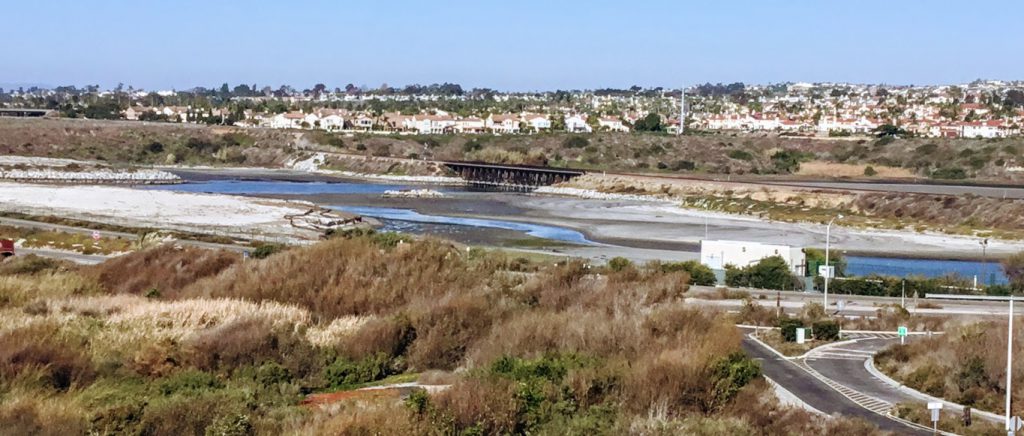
94, 259
857, 305
936, 189
84, 259
815, 392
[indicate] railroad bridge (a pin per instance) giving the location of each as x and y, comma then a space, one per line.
515, 176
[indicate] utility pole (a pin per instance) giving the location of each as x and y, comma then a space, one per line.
1009, 368
828, 269
682, 111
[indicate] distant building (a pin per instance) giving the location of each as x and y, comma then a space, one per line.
577, 124
718, 254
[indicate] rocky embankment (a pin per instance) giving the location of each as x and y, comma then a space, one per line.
49, 170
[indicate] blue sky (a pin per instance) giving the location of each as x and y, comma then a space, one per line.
510, 45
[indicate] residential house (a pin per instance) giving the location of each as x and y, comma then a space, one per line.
537, 122
470, 125
613, 124
506, 123
577, 123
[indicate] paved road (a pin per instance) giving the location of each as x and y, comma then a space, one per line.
816, 392
856, 305
108, 233
84, 259
846, 365
94, 259
936, 189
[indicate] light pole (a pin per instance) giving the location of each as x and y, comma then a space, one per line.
984, 259
1009, 367
828, 241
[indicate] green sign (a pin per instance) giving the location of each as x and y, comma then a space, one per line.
902, 331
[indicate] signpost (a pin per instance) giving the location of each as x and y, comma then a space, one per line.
936, 408
902, 331
96, 236
827, 271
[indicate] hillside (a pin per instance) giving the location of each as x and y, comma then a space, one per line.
754, 154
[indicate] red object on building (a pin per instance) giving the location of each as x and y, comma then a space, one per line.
6, 248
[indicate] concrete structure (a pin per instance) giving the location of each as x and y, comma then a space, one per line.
717, 254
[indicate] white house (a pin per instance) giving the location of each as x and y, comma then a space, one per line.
577, 124
537, 122
362, 122
287, 120
435, 124
984, 129
332, 122
718, 254
613, 124
470, 125
506, 123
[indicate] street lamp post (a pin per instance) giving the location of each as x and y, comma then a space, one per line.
828, 241
1009, 367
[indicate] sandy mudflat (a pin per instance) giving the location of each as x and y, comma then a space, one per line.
201, 213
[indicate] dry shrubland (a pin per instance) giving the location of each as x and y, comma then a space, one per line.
966, 365
231, 347
163, 270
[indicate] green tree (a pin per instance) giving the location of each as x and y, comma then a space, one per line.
770, 273
650, 123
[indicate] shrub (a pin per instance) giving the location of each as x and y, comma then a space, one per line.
619, 263
28, 264
345, 373
949, 173
263, 251
788, 161
825, 330
700, 274
788, 326
740, 155
250, 342
769, 273
167, 268
38, 351
576, 142
189, 382
869, 171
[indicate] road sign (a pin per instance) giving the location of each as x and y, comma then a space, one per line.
1016, 423
245, 254
935, 407
801, 335
827, 271
96, 236
902, 331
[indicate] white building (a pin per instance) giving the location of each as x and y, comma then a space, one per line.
537, 122
613, 124
577, 124
718, 254
503, 123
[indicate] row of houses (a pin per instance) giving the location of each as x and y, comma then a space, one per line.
998, 128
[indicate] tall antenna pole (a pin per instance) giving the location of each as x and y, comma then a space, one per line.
682, 111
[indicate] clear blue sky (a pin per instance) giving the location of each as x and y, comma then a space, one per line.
508, 45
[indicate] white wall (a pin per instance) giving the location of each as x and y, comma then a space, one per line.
718, 254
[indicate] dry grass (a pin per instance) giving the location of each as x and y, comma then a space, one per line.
966, 365
584, 350
830, 170
163, 270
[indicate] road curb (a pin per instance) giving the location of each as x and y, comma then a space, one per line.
788, 398
869, 365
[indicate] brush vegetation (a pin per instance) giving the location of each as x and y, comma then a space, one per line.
186, 341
